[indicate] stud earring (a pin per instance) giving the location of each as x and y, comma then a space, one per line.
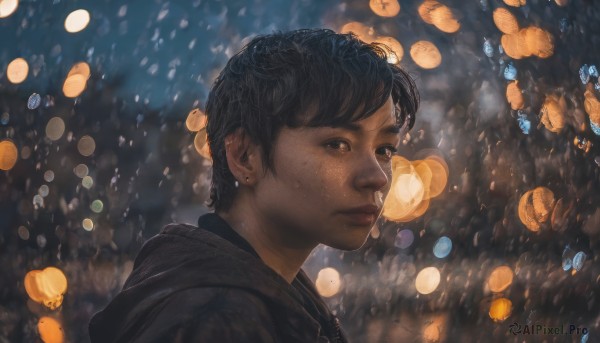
246, 179
237, 184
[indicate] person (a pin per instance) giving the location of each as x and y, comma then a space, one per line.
302, 126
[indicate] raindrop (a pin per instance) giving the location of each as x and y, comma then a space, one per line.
41, 241
442, 247
97, 206
524, 123
34, 101
4, 118
87, 182
484, 5
43, 191
23, 233
593, 71
510, 72
595, 128
563, 24
578, 260
584, 74
404, 239
567, 258
49, 176
38, 201
488, 49
567, 264
585, 337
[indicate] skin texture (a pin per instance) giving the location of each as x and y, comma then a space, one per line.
319, 172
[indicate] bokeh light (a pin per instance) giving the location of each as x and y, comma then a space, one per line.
425, 54
363, 32
413, 185
426, 8
500, 279
8, 7
442, 247
77, 21
55, 128
97, 206
87, 182
46, 286
201, 144
74, 85
514, 96
81, 170
80, 68
505, 21
500, 309
8, 155
196, 120
17, 70
86, 145
515, 3
87, 224
50, 330
553, 113
328, 282
397, 51
535, 207
427, 280
385, 8
443, 18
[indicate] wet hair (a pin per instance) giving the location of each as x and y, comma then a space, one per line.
307, 77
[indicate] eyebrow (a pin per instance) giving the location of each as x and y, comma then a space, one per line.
388, 130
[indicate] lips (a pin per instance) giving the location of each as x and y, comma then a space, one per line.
365, 209
363, 215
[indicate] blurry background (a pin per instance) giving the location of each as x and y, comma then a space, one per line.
493, 222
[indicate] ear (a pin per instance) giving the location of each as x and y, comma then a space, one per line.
243, 157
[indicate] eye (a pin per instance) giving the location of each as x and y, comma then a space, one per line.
339, 145
389, 152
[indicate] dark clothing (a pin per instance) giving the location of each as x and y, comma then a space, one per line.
209, 285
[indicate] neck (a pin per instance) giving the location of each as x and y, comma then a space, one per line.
273, 244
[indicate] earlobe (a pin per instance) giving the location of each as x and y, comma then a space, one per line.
240, 153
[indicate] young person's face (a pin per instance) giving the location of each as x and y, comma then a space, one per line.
324, 171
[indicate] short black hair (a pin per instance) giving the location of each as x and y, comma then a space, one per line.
306, 77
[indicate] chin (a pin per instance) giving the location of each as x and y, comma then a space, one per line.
350, 244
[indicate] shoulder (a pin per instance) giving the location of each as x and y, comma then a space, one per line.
210, 314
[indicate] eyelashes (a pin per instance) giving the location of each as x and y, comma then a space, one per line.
339, 143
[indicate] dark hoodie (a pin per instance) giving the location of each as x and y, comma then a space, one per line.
209, 285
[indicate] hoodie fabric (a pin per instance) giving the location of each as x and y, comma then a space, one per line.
207, 284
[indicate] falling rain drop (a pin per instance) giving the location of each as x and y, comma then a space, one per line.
442, 247
510, 72
567, 258
404, 239
563, 24
584, 74
524, 123
593, 71
488, 49
578, 260
34, 101
595, 128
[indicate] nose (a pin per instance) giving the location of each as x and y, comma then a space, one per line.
371, 174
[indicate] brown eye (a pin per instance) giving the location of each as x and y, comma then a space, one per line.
390, 150
339, 145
